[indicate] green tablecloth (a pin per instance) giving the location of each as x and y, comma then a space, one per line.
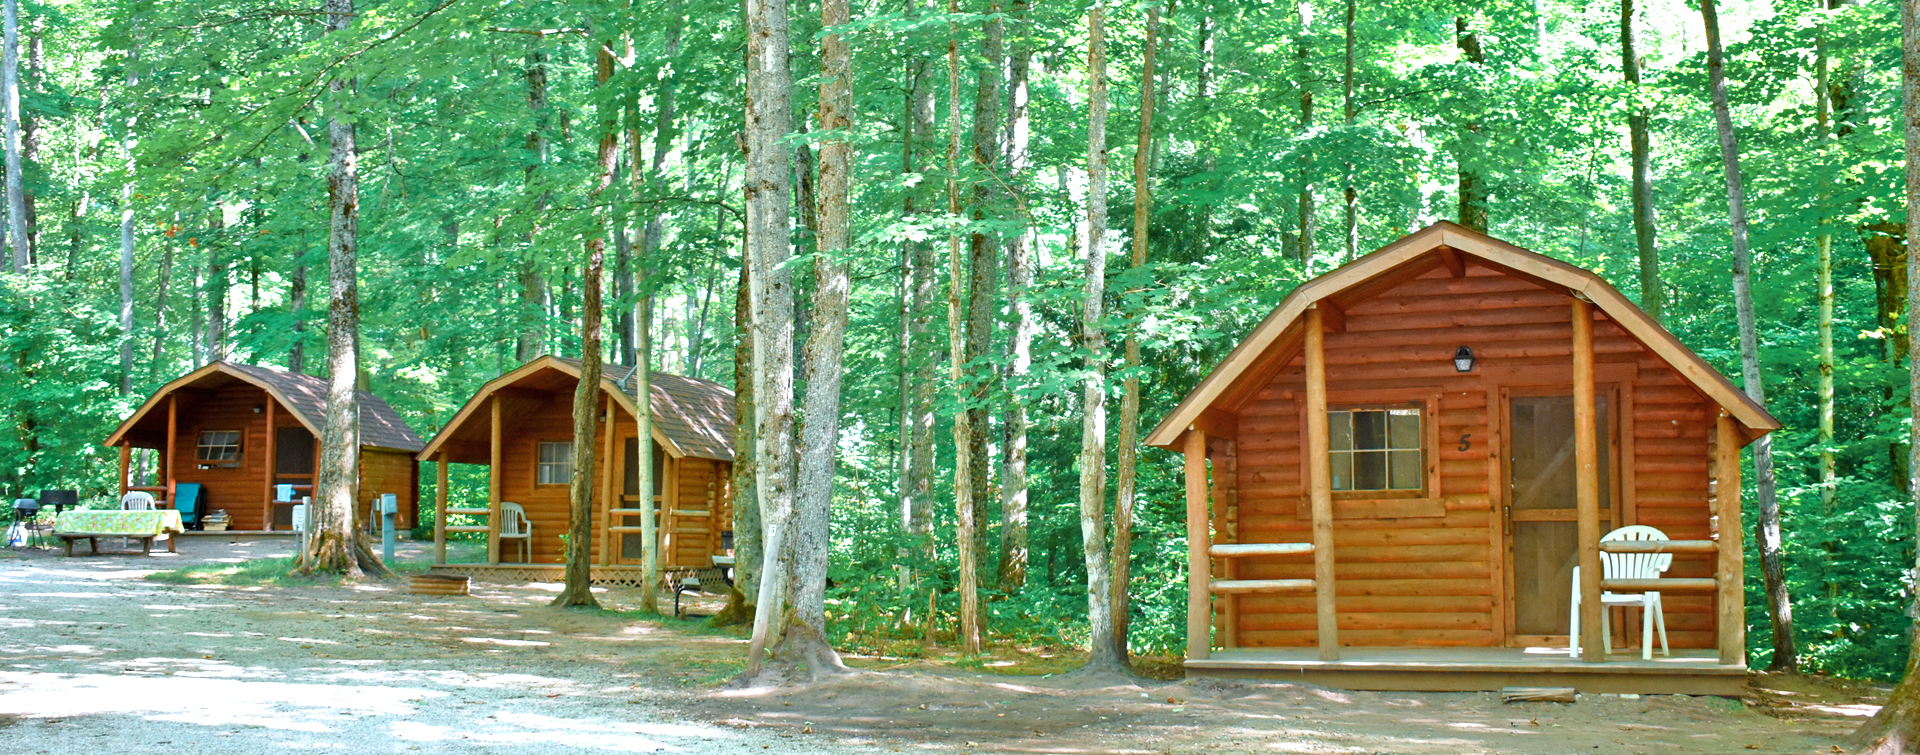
127, 523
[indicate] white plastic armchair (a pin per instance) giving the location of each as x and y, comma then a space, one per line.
1626, 566
138, 500
514, 525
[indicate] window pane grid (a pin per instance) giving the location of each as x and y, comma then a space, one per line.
556, 464
1375, 449
219, 445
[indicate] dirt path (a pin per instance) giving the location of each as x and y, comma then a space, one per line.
94, 657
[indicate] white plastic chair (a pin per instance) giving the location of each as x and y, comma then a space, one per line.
514, 525
138, 500
1626, 566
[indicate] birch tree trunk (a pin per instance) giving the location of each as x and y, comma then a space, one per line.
588, 398
1895, 730
1653, 296
983, 263
768, 201
1123, 491
130, 141
1823, 319
804, 639
335, 545
963, 465
1107, 656
10, 101
1013, 482
1779, 605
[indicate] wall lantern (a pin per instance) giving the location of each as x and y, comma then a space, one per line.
1463, 360
258, 408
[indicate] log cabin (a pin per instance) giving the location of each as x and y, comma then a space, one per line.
520, 425
238, 430
1391, 479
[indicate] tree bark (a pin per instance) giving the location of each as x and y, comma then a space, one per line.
1779, 604
1352, 192
1653, 296
1106, 655
1123, 491
10, 101
297, 305
130, 141
1473, 189
1013, 482
768, 201
1303, 52
1895, 730
1886, 245
804, 639
983, 266
963, 465
746, 501
336, 545
160, 311
534, 296
216, 290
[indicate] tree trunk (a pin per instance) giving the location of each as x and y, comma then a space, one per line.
804, 639
297, 305
746, 502
335, 545
534, 296
1652, 296
1106, 655
917, 509
1013, 483
1473, 189
1895, 730
1352, 192
1886, 245
130, 141
160, 311
983, 265
1303, 52
769, 204
963, 465
216, 291
1779, 605
1823, 321
10, 101
1128, 441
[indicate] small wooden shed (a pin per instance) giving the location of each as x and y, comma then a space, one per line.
521, 426
1391, 479
240, 429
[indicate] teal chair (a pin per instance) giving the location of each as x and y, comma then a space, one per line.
190, 499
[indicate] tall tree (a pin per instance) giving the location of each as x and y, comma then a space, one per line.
1123, 489
130, 142
335, 545
769, 120
1473, 185
1895, 730
1303, 53
1013, 482
10, 101
747, 524
983, 258
1652, 297
1352, 110
1779, 605
963, 466
1107, 655
804, 639
1823, 317
532, 340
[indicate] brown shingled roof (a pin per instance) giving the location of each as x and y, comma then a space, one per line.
697, 415
303, 395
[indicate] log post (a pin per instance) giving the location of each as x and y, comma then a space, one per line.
173, 436
266, 498
1320, 486
1587, 484
440, 509
1730, 567
605, 468
1199, 569
126, 464
495, 471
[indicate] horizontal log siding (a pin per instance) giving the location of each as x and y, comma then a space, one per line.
238, 489
548, 506
387, 472
1435, 581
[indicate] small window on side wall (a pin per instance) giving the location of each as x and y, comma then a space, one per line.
1376, 449
556, 464
219, 447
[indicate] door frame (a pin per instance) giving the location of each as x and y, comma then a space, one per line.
1619, 402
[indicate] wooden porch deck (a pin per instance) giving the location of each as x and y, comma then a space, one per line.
1686, 672
626, 575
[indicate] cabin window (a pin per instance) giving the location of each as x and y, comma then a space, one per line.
219, 447
1376, 449
556, 464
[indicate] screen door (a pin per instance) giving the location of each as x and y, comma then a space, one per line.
1543, 540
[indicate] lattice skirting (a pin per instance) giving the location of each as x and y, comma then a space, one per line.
623, 576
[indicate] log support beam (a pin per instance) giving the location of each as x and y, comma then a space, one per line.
273, 469
1199, 568
173, 437
495, 471
1319, 484
1729, 568
1587, 483
440, 508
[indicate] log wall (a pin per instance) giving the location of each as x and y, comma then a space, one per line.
1430, 571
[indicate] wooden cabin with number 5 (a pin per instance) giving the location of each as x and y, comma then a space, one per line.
520, 425
246, 438
1454, 464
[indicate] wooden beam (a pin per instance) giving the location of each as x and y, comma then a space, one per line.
173, 437
1729, 567
1199, 569
1242, 586
1587, 483
266, 485
1659, 546
1662, 585
1319, 485
495, 471
1455, 264
604, 467
1332, 316
440, 509
1228, 550
126, 464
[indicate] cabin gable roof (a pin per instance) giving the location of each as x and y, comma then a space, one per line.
1278, 337
304, 396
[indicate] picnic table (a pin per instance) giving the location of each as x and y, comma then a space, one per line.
139, 525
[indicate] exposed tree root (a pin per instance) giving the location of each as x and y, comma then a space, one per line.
737, 612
